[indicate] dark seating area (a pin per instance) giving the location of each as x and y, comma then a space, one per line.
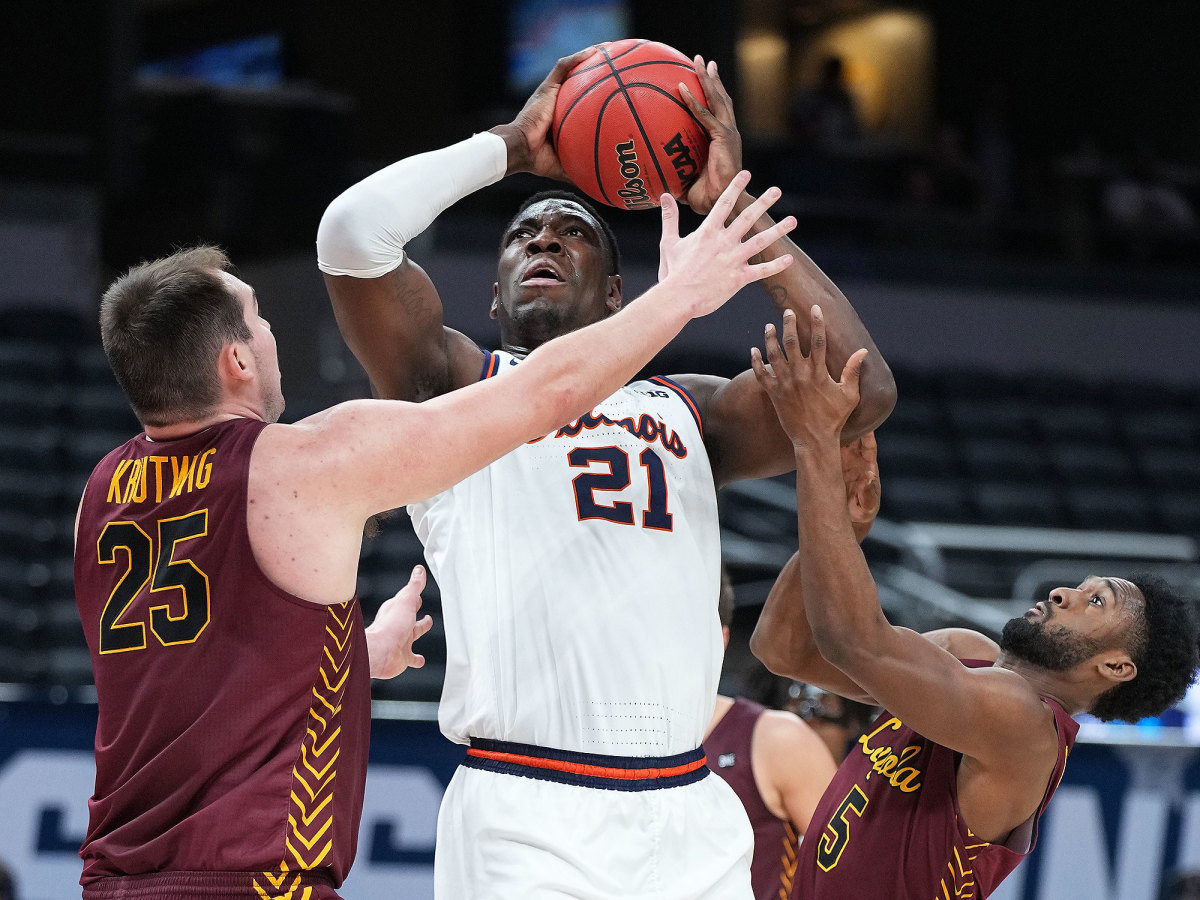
964, 448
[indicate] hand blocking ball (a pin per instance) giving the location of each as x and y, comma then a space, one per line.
622, 131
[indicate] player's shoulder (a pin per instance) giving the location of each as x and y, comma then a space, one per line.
781, 740
783, 729
700, 387
1015, 706
965, 643
466, 360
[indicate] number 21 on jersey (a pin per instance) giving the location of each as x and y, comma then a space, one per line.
655, 516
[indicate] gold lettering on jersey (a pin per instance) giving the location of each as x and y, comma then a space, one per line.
646, 427
890, 764
114, 486
136, 480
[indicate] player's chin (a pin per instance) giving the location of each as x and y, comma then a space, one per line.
554, 292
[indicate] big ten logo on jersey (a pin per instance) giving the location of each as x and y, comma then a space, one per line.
682, 159
658, 395
136, 480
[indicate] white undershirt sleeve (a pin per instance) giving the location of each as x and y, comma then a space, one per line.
364, 230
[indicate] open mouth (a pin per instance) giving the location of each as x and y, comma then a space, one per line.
541, 273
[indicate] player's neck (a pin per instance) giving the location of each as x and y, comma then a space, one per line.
1067, 689
178, 430
517, 350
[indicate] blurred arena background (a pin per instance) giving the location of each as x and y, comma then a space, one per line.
1007, 191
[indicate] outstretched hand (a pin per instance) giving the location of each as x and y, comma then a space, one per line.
712, 263
860, 472
396, 627
535, 151
811, 406
715, 112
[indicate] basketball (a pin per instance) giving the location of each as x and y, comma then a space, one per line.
622, 130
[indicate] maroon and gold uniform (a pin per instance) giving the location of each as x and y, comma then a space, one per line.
231, 746
775, 840
889, 823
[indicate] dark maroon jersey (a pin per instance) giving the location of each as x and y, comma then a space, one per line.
889, 824
233, 716
775, 840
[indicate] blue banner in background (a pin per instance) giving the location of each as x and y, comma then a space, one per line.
1126, 816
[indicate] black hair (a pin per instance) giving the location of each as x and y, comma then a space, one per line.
1165, 647
607, 236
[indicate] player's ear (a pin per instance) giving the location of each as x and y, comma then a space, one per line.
614, 299
495, 310
1117, 667
235, 364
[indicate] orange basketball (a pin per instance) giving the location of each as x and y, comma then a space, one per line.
621, 128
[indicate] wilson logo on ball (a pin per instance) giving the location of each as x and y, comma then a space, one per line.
622, 130
634, 193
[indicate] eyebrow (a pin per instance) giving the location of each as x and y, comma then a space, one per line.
1117, 596
578, 217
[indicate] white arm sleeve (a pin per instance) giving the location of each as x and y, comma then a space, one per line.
364, 230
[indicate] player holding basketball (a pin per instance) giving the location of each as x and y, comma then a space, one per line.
216, 558
942, 795
578, 574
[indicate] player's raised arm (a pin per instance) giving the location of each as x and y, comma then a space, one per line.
744, 438
452, 436
387, 308
977, 712
782, 639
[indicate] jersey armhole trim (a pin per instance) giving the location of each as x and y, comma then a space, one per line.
684, 395
491, 365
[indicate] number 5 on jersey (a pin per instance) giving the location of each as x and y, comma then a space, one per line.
836, 836
654, 516
157, 565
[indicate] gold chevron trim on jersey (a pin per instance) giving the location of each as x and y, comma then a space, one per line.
961, 880
787, 875
309, 844
280, 893
308, 840
306, 816
309, 863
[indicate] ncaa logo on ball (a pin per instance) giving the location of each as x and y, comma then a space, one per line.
682, 159
634, 192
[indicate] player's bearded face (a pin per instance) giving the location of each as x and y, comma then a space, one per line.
1049, 646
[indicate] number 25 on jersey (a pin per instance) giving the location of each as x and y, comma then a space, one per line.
153, 560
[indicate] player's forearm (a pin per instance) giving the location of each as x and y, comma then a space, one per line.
782, 639
516, 146
800, 286
572, 373
364, 230
848, 620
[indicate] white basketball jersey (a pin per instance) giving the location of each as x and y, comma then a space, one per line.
579, 578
